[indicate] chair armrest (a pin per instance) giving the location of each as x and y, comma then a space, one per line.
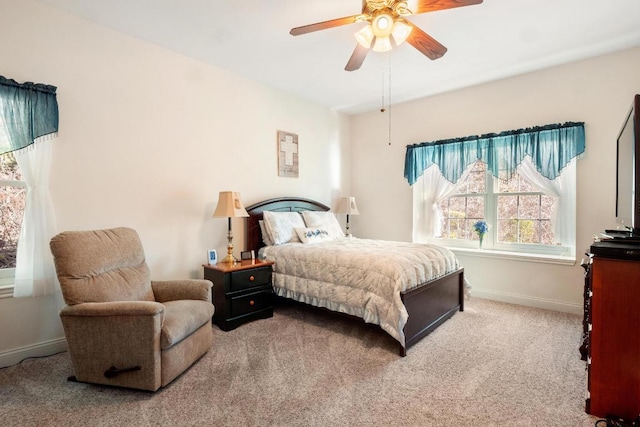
114, 308
173, 290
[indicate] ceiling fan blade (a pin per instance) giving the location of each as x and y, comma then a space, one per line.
426, 44
433, 5
323, 25
357, 58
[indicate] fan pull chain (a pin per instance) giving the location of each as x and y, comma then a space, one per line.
382, 108
388, 105
389, 99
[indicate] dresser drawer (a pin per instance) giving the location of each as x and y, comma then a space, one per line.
249, 303
245, 279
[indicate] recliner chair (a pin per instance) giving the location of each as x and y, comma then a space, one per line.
123, 329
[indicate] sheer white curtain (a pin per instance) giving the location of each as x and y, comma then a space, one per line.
428, 191
35, 273
563, 191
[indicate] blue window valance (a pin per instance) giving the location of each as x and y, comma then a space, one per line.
550, 147
28, 110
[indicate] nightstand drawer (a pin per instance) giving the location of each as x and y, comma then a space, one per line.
248, 303
245, 279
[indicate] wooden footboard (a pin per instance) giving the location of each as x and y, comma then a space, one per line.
430, 304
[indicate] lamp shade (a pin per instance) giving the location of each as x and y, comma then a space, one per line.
229, 206
347, 205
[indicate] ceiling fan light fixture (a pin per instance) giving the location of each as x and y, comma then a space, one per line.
365, 36
400, 32
382, 44
382, 25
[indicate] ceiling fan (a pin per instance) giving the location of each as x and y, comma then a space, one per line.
387, 27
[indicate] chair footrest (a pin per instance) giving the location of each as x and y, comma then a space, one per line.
113, 371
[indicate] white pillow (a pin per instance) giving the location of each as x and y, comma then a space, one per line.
313, 235
266, 237
324, 220
281, 226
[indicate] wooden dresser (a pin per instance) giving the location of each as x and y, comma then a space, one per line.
612, 298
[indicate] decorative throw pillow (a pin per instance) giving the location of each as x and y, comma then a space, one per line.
313, 235
266, 237
325, 220
281, 226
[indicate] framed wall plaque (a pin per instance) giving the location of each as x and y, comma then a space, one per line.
288, 165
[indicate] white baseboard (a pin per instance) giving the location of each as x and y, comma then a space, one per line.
564, 307
46, 348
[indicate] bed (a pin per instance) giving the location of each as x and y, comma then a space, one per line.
423, 306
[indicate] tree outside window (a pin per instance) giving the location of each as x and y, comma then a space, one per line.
12, 205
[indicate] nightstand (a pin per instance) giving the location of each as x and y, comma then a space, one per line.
241, 292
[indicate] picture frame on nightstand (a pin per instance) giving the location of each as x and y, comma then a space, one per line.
212, 257
248, 255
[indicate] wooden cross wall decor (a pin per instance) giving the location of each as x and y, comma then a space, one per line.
288, 165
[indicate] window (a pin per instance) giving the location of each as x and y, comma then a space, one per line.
29, 123
458, 181
12, 205
519, 214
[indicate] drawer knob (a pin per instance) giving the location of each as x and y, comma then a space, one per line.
252, 302
251, 278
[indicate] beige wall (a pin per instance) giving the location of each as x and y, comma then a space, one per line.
147, 140
598, 92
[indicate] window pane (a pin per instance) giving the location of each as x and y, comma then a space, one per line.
9, 168
525, 186
12, 202
475, 207
476, 178
546, 207
470, 231
475, 182
457, 229
529, 207
546, 233
507, 185
507, 207
508, 230
528, 231
457, 207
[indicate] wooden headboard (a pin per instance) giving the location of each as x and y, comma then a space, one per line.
280, 204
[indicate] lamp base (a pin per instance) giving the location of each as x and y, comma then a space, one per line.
229, 259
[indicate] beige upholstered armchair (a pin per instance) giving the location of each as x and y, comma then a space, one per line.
123, 329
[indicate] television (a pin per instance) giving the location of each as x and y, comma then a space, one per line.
628, 172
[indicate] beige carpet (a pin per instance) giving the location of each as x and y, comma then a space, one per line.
492, 365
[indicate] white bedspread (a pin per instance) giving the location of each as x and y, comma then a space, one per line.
360, 277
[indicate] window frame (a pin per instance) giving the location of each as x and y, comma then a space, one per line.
7, 275
7, 281
490, 241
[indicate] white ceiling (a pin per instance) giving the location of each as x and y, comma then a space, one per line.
489, 41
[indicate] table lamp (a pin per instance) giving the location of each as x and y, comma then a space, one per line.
229, 206
347, 205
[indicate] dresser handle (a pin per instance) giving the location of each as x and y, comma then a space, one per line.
251, 278
252, 302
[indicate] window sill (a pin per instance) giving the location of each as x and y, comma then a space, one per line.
6, 291
517, 256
